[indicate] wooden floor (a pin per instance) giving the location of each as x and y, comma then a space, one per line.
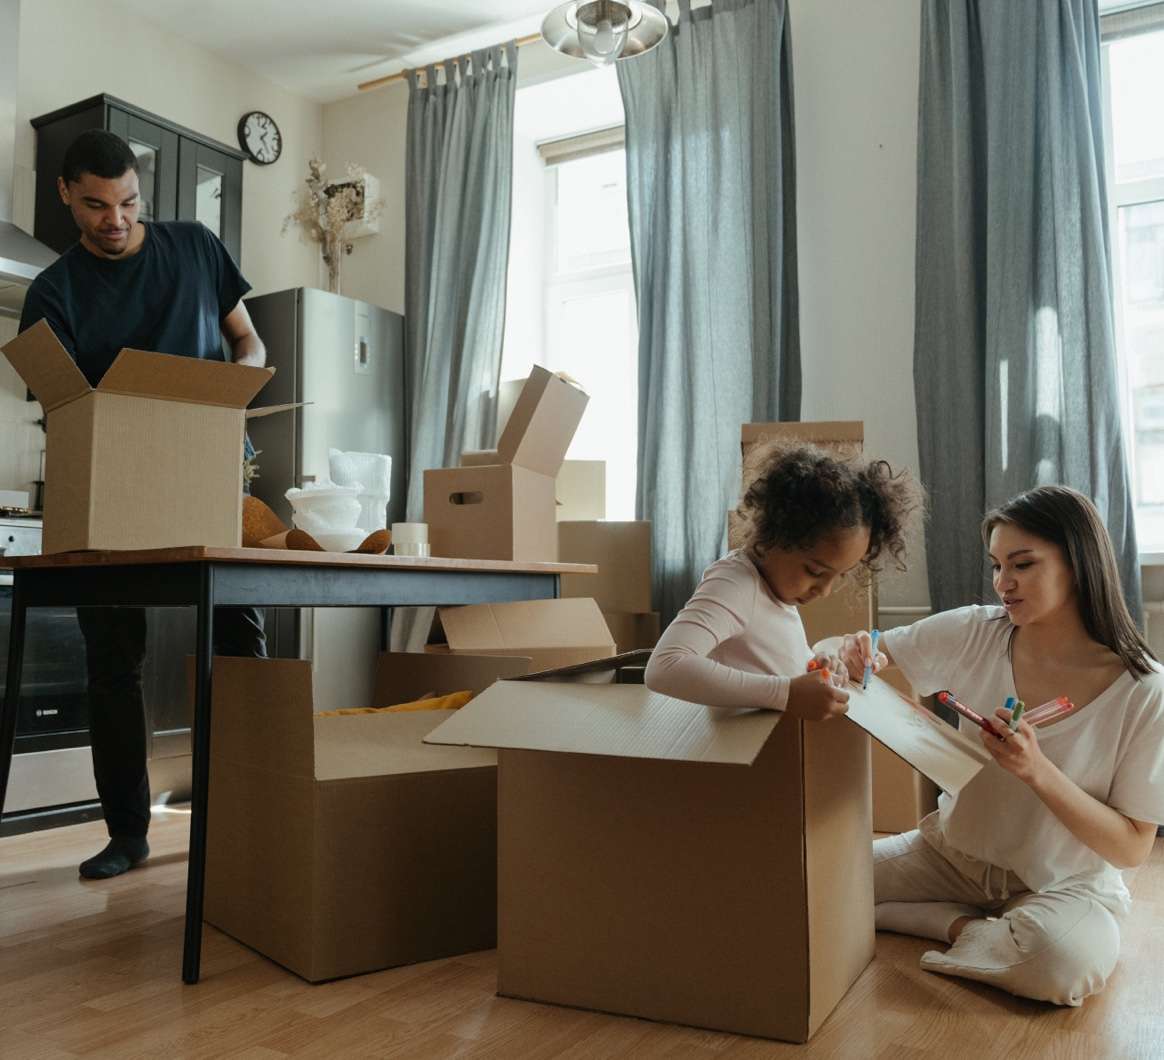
92, 969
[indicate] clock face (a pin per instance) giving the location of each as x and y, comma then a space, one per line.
259, 136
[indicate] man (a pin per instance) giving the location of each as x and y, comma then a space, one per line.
170, 287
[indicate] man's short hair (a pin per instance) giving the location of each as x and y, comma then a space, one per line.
98, 152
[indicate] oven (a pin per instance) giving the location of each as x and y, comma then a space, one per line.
52, 772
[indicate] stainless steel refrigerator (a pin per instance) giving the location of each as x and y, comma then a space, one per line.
346, 360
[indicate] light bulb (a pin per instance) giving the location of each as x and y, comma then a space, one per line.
602, 30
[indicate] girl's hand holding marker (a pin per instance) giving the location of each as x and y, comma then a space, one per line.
814, 696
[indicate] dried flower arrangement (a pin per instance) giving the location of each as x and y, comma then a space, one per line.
323, 211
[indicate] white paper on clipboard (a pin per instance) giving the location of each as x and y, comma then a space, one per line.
950, 758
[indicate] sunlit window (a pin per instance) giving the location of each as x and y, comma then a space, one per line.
570, 292
1135, 137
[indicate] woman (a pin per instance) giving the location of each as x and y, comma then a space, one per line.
1020, 871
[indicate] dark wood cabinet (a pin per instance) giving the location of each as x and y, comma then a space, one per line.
184, 175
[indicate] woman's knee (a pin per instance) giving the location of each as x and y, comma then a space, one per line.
1064, 967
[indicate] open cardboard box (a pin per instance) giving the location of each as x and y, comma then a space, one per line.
674, 862
149, 458
342, 845
506, 509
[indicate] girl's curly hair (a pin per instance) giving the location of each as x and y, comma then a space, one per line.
801, 493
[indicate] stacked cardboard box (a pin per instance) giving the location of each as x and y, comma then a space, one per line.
118, 467
673, 862
500, 504
622, 587
342, 845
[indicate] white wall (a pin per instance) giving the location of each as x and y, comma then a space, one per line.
72, 49
855, 70
369, 130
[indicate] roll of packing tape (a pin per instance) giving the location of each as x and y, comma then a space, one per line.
409, 533
411, 548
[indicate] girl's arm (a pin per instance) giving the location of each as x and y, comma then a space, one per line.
1122, 841
720, 609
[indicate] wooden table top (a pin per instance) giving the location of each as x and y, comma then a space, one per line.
289, 558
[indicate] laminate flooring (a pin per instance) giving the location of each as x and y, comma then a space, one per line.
92, 969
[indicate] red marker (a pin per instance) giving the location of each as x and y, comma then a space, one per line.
947, 699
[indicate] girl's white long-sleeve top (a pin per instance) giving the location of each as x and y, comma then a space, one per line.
734, 644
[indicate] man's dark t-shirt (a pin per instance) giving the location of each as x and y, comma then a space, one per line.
170, 297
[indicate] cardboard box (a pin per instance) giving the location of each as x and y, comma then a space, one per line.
622, 551
403, 676
151, 457
506, 510
632, 632
581, 490
901, 795
545, 633
674, 862
337, 846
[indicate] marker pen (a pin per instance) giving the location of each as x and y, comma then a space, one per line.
947, 699
874, 637
1015, 714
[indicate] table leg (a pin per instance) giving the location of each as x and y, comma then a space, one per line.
11, 705
200, 779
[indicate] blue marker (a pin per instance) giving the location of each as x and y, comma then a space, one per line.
874, 638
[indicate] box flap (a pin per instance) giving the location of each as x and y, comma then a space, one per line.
623, 721
45, 366
543, 422
380, 745
609, 665
525, 624
270, 410
480, 458
200, 382
950, 758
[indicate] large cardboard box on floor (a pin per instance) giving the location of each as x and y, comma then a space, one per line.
543, 633
506, 510
151, 457
622, 551
675, 862
341, 845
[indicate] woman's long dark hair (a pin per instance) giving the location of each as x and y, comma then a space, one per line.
1066, 518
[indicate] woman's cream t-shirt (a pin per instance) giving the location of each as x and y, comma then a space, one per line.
1113, 748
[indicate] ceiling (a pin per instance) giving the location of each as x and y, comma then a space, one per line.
324, 50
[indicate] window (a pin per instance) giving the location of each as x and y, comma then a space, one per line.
571, 300
1134, 85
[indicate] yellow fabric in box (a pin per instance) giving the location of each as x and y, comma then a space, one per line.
453, 701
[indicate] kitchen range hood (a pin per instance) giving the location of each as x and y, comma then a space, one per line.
21, 256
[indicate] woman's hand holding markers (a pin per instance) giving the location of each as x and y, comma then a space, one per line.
1018, 751
857, 650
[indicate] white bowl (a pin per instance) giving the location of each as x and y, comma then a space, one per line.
330, 507
340, 540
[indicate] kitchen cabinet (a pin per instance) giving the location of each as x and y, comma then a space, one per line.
184, 175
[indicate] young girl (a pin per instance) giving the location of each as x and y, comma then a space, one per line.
811, 519
1020, 870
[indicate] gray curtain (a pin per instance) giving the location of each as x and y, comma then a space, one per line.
458, 191
459, 175
711, 189
1014, 343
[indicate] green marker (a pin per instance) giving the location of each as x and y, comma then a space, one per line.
1016, 714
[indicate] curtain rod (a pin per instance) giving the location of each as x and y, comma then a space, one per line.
365, 85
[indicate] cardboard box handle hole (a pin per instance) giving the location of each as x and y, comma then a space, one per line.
469, 497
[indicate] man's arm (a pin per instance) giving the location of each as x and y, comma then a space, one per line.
245, 345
